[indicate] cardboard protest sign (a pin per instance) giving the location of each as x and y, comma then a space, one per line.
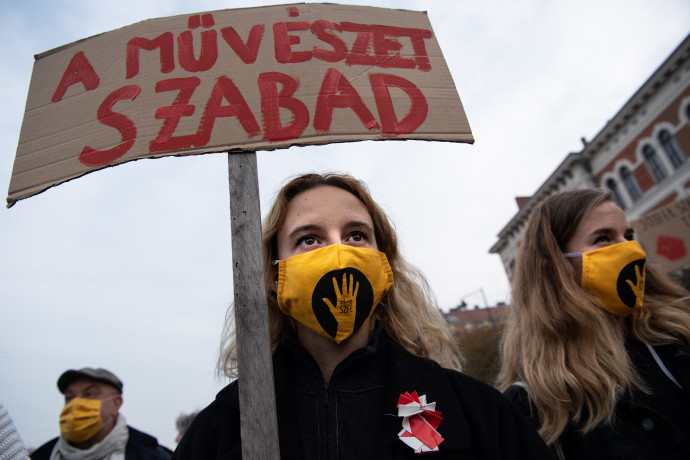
665, 234
245, 79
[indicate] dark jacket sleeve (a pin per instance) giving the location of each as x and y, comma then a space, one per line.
214, 433
141, 446
43, 452
498, 427
521, 434
518, 396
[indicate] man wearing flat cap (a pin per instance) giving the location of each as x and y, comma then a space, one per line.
91, 427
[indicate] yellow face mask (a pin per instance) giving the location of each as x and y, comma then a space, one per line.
333, 290
80, 419
615, 274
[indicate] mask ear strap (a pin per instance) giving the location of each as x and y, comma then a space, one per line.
661, 365
572, 254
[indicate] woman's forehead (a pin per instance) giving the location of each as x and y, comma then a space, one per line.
325, 202
606, 215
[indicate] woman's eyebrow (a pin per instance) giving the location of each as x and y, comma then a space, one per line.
358, 224
601, 231
303, 228
605, 230
317, 228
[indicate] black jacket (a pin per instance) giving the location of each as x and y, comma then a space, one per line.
355, 415
645, 426
140, 446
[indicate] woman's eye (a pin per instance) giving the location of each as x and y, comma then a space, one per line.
357, 237
307, 241
601, 239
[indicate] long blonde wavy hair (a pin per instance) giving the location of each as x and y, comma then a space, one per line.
560, 342
408, 312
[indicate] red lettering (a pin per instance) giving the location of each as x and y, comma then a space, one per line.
172, 114
319, 29
128, 132
420, 55
418, 108
208, 55
249, 51
336, 91
359, 54
283, 42
383, 47
386, 51
165, 42
225, 89
273, 100
79, 70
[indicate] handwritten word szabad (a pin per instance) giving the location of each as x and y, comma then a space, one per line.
276, 89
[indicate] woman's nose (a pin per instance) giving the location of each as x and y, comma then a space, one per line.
620, 239
333, 238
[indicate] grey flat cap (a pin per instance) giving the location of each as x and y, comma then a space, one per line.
98, 375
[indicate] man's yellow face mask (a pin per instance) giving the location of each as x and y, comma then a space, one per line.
80, 419
333, 290
615, 274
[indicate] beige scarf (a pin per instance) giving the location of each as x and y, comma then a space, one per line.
112, 447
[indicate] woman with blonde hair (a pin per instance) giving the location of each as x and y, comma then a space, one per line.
596, 347
364, 364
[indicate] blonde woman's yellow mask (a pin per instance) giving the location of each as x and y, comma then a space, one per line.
616, 275
333, 290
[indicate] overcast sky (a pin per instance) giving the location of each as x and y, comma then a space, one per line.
129, 268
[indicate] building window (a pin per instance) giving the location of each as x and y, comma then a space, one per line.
672, 149
655, 165
613, 186
631, 184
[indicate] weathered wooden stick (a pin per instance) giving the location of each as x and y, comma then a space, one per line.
259, 427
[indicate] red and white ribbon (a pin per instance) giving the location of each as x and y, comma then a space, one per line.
420, 421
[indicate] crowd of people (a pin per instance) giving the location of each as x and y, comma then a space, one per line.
595, 357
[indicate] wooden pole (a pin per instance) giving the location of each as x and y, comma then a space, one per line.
258, 421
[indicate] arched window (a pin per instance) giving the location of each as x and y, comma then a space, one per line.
655, 165
631, 184
613, 186
672, 149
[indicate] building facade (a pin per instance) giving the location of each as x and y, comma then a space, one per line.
641, 154
461, 319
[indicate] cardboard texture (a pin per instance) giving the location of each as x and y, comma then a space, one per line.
243, 79
665, 235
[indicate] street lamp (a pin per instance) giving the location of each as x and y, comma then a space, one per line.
488, 310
